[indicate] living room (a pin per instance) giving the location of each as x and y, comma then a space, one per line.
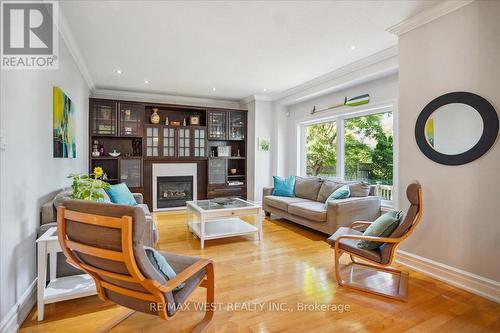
253, 149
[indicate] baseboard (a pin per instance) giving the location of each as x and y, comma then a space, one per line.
473, 283
18, 313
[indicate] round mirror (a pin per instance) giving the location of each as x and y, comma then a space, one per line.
453, 128
456, 128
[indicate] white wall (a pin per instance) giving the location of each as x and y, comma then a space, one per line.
259, 163
381, 90
461, 223
29, 174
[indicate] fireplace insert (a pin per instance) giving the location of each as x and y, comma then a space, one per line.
174, 191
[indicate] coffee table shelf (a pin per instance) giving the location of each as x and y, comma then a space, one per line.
214, 220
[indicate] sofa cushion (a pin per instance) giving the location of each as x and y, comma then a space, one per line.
327, 188
281, 202
359, 189
307, 188
311, 210
342, 192
351, 244
284, 186
61, 197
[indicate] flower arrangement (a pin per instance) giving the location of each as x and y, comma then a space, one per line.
88, 187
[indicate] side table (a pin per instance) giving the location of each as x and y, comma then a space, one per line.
62, 288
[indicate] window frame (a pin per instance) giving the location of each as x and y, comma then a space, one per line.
339, 116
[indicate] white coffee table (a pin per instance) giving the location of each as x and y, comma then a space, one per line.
62, 288
214, 220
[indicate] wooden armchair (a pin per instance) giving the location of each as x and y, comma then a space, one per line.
378, 261
105, 242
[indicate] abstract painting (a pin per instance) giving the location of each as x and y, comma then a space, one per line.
64, 125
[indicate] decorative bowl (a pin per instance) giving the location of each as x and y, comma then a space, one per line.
114, 154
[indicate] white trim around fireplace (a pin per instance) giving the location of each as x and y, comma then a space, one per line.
169, 170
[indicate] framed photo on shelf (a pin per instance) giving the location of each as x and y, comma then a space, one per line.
194, 120
224, 151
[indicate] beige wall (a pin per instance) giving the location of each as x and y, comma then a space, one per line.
457, 52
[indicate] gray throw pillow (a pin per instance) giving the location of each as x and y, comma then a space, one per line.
381, 227
360, 189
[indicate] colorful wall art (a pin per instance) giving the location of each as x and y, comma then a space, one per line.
64, 125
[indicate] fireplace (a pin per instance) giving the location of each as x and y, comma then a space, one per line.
174, 191
173, 185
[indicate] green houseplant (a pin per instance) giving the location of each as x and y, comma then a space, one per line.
88, 187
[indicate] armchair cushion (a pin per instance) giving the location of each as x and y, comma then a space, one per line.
180, 263
161, 264
381, 227
351, 244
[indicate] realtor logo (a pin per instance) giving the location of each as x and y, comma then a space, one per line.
29, 35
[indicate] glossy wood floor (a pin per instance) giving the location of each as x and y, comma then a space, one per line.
291, 265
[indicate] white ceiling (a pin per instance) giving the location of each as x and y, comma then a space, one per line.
240, 48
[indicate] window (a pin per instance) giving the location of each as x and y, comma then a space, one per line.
321, 149
352, 148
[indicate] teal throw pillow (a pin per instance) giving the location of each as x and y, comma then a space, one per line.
120, 194
284, 187
340, 193
160, 264
381, 227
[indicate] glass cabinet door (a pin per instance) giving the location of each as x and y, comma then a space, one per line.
236, 125
199, 142
217, 125
103, 118
184, 142
217, 171
131, 119
152, 141
169, 142
130, 172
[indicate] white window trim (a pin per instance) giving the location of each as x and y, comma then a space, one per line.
339, 116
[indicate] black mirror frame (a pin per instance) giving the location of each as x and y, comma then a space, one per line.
488, 137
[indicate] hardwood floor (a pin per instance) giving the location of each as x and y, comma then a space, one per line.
291, 265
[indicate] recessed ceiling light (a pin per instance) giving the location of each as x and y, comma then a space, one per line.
213, 89
118, 71
353, 47
146, 81
265, 89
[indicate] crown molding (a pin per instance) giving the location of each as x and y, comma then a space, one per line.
139, 96
74, 50
377, 65
427, 16
251, 98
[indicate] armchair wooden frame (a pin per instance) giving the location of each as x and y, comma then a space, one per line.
155, 290
401, 293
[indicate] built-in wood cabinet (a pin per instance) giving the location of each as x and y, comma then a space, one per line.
226, 125
103, 118
130, 119
173, 142
125, 126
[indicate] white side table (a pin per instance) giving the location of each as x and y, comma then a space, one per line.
58, 289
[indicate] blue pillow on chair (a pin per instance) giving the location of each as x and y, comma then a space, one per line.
120, 194
284, 187
160, 264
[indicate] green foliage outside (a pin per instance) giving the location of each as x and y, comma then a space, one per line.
368, 149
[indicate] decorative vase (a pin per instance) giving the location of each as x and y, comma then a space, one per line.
155, 117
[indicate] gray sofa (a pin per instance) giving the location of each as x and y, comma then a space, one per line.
309, 209
49, 219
